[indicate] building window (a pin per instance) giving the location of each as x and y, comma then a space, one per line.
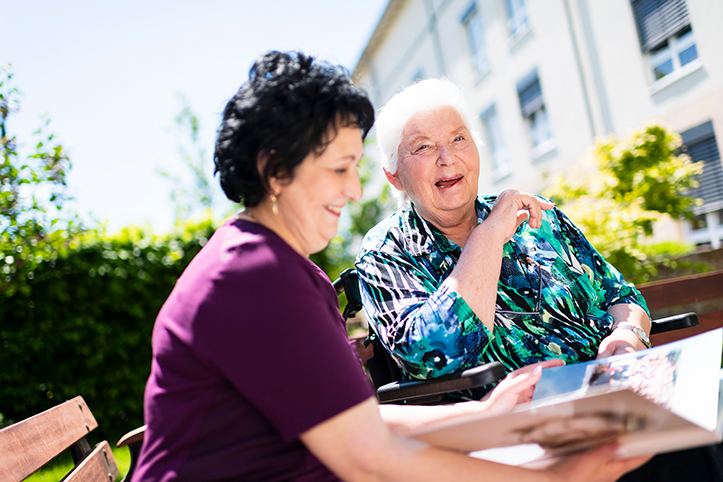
534, 113
700, 144
495, 143
666, 36
699, 222
472, 21
517, 17
677, 52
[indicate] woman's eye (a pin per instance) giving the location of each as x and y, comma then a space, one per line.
459, 138
422, 147
341, 170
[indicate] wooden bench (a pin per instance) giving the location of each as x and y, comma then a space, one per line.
700, 293
28, 445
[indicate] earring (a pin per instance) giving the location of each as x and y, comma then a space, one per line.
274, 207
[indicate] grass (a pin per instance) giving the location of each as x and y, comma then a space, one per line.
61, 465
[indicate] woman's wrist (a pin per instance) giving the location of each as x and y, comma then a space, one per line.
639, 332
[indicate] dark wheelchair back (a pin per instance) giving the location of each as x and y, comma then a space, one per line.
388, 378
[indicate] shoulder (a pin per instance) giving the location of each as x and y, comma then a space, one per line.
242, 264
252, 251
385, 235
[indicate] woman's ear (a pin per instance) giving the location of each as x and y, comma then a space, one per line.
272, 183
394, 180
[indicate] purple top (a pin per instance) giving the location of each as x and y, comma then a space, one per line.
249, 351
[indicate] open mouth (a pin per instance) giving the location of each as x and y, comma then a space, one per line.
336, 210
448, 182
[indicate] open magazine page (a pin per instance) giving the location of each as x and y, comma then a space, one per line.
657, 400
681, 376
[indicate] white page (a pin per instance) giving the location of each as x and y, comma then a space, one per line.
692, 392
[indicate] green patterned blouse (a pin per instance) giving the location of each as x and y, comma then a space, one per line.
553, 295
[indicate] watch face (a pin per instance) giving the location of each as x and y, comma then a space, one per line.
640, 333
643, 336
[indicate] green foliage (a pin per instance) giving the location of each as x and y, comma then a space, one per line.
83, 326
32, 192
76, 305
197, 198
638, 182
367, 212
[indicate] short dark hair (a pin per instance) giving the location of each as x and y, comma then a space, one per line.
290, 106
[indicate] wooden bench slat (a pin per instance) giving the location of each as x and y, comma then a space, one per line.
99, 465
28, 445
682, 291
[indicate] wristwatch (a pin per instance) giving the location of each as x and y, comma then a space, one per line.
638, 331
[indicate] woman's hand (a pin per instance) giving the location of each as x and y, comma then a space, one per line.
517, 387
619, 342
596, 465
513, 207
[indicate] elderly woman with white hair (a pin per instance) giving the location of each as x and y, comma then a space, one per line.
454, 280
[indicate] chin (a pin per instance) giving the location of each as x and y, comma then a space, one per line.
321, 244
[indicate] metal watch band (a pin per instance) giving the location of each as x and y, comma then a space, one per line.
642, 336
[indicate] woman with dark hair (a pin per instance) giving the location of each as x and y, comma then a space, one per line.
253, 376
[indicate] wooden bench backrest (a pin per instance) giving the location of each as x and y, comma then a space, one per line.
701, 293
28, 445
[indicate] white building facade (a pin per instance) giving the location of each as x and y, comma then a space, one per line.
549, 76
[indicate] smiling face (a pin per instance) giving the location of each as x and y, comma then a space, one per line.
309, 205
438, 167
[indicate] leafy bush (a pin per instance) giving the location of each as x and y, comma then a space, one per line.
82, 325
638, 181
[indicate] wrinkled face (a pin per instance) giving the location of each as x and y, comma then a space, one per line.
310, 204
438, 166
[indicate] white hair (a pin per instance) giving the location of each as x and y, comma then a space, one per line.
423, 96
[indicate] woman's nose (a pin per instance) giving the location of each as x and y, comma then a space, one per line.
353, 187
446, 156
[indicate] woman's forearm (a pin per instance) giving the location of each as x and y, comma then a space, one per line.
630, 313
477, 272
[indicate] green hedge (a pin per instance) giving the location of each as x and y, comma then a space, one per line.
79, 323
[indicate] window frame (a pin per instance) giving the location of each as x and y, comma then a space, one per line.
477, 44
534, 114
518, 21
665, 31
496, 144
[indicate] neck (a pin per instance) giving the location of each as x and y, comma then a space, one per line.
262, 214
458, 229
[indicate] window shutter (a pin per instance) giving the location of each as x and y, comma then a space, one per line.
530, 94
659, 20
702, 146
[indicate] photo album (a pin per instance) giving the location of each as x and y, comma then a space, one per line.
658, 400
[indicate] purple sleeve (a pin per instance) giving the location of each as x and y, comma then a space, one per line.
272, 326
